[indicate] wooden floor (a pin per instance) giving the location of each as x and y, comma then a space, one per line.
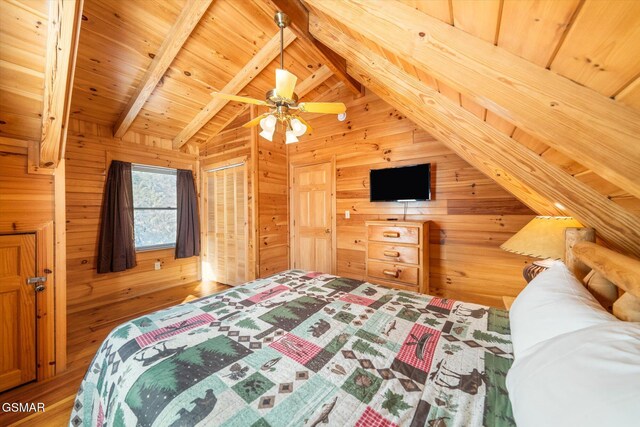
86, 331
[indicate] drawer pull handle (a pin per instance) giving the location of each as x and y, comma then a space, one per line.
392, 254
391, 234
392, 273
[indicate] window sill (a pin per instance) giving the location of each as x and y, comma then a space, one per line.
155, 248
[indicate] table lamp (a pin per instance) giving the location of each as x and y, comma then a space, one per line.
542, 237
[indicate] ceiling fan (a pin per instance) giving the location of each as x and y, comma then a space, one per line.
283, 101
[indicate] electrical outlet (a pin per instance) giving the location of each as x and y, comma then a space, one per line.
157, 265
347, 214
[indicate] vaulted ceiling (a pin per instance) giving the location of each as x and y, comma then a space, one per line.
553, 83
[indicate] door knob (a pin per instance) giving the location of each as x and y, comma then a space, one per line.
327, 231
37, 282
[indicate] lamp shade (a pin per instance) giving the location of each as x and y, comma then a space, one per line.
267, 134
542, 237
290, 137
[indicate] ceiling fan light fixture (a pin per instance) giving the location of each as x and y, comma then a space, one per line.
290, 137
269, 123
283, 101
267, 134
285, 83
297, 127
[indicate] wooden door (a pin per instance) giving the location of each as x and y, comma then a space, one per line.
227, 226
17, 310
312, 208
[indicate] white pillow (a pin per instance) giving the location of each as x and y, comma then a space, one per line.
589, 377
554, 303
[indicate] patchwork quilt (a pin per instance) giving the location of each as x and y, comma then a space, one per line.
303, 349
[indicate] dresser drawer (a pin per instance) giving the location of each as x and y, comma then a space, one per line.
398, 234
394, 253
393, 272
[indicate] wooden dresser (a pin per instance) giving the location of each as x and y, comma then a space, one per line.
398, 254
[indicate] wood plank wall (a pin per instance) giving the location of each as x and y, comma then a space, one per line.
470, 214
273, 212
269, 160
27, 206
26, 200
89, 148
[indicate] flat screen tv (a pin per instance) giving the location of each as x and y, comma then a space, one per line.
407, 183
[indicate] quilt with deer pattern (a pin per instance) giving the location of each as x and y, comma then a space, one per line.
303, 349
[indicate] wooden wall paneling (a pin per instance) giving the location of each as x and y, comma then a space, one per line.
505, 160
47, 305
593, 130
60, 266
33, 160
273, 215
470, 214
267, 54
254, 188
602, 47
187, 21
62, 46
23, 31
90, 147
27, 206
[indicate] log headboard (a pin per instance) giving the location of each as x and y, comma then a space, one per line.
614, 278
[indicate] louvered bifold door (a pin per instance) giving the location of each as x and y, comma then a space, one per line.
227, 225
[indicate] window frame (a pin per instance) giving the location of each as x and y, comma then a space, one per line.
139, 167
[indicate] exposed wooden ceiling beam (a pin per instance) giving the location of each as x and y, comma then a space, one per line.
520, 171
300, 25
306, 86
254, 67
62, 46
187, 21
578, 122
314, 80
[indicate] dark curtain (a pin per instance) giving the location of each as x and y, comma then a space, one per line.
188, 235
116, 250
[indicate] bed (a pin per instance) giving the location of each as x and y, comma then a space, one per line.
304, 349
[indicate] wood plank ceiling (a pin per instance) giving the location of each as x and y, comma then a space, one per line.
23, 38
594, 43
562, 41
118, 43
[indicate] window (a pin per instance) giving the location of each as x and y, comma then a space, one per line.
154, 207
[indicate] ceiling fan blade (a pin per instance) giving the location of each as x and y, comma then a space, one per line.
244, 99
309, 128
322, 107
255, 121
285, 83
